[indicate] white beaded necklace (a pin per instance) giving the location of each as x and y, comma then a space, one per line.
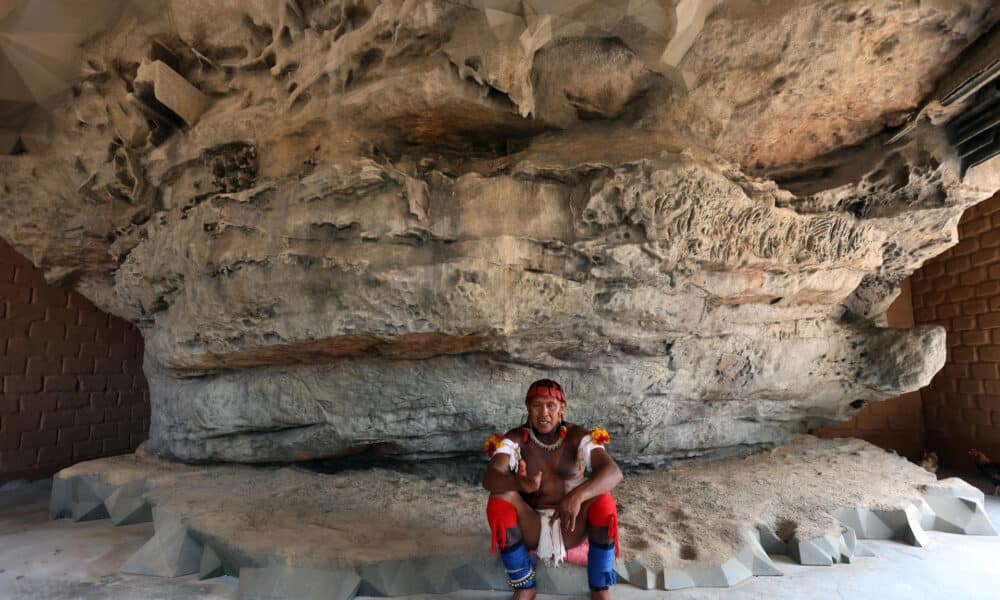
550, 447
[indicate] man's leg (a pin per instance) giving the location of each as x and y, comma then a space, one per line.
514, 528
598, 522
602, 532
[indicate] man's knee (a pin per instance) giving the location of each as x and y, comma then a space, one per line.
509, 496
502, 516
603, 511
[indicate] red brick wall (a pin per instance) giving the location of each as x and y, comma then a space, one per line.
896, 423
72, 383
960, 290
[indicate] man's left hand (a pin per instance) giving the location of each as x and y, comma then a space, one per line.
568, 510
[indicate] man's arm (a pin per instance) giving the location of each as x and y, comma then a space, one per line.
605, 477
499, 479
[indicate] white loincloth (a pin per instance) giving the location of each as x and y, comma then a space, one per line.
550, 542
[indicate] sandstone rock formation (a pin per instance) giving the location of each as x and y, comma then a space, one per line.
692, 524
366, 226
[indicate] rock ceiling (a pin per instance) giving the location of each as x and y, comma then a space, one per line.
366, 226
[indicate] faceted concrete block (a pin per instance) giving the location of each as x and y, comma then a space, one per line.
905, 525
621, 573
279, 582
640, 576
816, 551
914, 533
566, 579
960, 515
171, 552
430, 575
828, 549
211, 564
88, 488
677, 579
727, 574
747, 561
756, 560
88, 511
481, 574
126, 505
770, 541
59, 500
958, 489
865, 523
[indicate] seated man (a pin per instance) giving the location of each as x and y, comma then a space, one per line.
540, 500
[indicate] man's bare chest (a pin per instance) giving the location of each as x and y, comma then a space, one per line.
560, 464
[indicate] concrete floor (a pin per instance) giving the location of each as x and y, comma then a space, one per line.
60, 560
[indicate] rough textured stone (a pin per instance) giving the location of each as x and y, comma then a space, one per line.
365, 226
159, 85
380, 532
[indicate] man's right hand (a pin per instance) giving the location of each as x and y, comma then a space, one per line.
526, 483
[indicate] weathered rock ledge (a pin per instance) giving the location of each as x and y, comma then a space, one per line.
367, 225
384, 533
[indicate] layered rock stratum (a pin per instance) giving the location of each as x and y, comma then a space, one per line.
367, 226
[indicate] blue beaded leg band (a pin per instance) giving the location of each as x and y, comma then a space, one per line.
601, 566
519, 566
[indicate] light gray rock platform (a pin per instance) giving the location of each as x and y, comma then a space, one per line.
193, 534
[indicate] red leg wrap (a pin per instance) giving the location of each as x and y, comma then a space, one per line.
502, 516
604, 513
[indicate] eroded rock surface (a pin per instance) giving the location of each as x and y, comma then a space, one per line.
697, 523
366, 226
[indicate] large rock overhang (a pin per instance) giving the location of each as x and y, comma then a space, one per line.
369, 228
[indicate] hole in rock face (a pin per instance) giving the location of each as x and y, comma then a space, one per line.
857, 208
688, 552
355, 17
785, 530
465, 131
19, 148
233, 166
368, 61
160, 50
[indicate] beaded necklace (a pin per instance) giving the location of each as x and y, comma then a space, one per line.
550, 447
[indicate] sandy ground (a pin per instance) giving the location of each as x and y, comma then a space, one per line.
59, 560
690, 512
693, 511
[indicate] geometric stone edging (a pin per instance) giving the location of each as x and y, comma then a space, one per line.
175, 551
948, 509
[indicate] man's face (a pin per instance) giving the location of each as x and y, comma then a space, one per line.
545, 413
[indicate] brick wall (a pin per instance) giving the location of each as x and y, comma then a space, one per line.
896, 423
960, 290
72, 383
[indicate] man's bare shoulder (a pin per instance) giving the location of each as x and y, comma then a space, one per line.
575, 433
515, 434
